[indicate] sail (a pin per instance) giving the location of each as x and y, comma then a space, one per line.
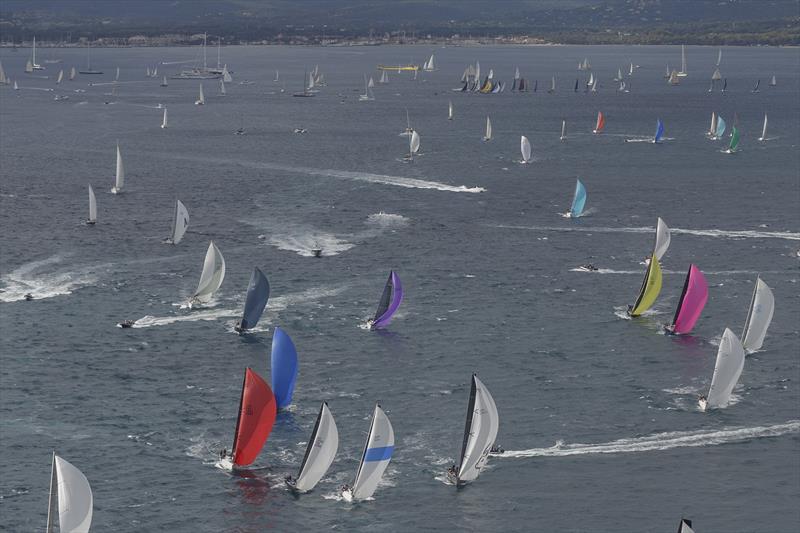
377, 454
320, 451
713, 127
72, 73
728, 368
480, 431
120, 176
180, 222
762, 306
579, 200
222, 87
371, 82
563, 129
92, 206
686, 525
659, 131
516, 73
116, 76
164, 120
212, 275
413, 145
720, 127
257, 414
201, 99
662, 239
488, 134
719, 57
75, 502
256, 299
764, 129
60, 77
450, 110
601, 122
758, 84
164, 82
773, 82
692, 301
148, 73
716, 76
284, 367
651, 286
525, 148
3, 79
390, 301
734, 140
683, 60
576, 85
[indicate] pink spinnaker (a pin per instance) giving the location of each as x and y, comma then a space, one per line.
693, 300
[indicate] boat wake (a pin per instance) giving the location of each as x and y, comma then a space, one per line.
387, 220
212, 314
41, 279
660, 441
304, 242
730, 234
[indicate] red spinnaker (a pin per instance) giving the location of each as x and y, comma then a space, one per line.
257, 411
601, 122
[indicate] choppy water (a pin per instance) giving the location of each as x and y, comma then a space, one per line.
597, 413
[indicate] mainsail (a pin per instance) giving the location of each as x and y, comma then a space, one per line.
764, 130
256, 300
686, 525
651, 286
728, 368
450, 110
413, 143
389, 302
525, 148
691, 303
164, 120
75, 502
480, 431
257, 414
488, 134
92, 206
284, 367
563, 130
759, 316
180, 222
320, 451
120, 176
377, 454
212, 276
578, 200
734, 140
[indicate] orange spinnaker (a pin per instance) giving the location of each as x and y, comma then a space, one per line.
257, 411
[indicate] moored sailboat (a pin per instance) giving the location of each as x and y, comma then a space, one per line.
320, 452
377, 453
691, 303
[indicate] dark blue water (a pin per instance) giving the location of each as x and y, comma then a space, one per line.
487, 266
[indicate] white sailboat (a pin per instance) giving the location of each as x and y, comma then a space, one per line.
371, 83
377, 454
60, 77
450, 110
368, 95
762, 306
116, 76
712, 129
487, 136
728, 368
212, 276
164, 82
70, 499
201, 100
164, 120
320, 452
180, 223
4, 80
563, 130
222, 87
683, 72
773, 82
92, 208
119, 180
480, 433
277, 77
552, 88
72, 73
764, 130
35, 65
384, 77
525, 148
16, 87
413, 144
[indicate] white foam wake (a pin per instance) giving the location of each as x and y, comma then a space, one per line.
661, 441
44, 279
149, 321
731, 234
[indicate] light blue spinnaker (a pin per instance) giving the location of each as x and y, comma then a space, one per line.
579, 200
659, 131
720, 127
284, 368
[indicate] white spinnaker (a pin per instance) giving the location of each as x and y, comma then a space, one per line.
164, 120
728, 368
525, 147
92, 206
563, 129
374, 460
414, 142
759, 317
488, 135
321, 450
201, 99
481, 434
764, 129
120, 177
212, 276
74, 498
662, 239
180, 223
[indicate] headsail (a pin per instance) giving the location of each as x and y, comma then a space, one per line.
257, 414
480, 431
180, 222
256, 300
488, 134
164, 120
659, 132
75, 501
525, 148
284, 367
563, 130
578, 200
212, 276
759, 316
764, 130
691, 303
390, 301
413, 142
651, 286
728, 368
377, 454
92, 206
734, 140
662, 239
120, 176
320, 451
720, 127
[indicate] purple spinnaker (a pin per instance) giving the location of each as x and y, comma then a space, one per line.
693, 299
395, 290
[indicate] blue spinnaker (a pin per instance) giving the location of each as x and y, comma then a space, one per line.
579, 200
284, 367
256, 301
659, 131
720, 127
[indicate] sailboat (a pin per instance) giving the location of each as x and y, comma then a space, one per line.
759, 316
691, 303
594, 85
619, 75
371, 82
563, 130
728, 368
724, 85
413, 145
409, 130
164, 82
389, 303
384, 77
257, 413
34, 65
89, 69
659, 132
683, 72
773, 82
201, 100
320, 452
164, 120
222, 87
577, 82
72, 74
60, 77
525, 148
552, 88
255, 301
428, 65
306, 93
211, 277
4, 80
119, 181
92, 220
686, 525
277, 77
756, 88
70, 498
450, 110
712, 129
720, 131
16, 87
368, 95
651, 286
284, 367
487, 136
674, 79
180, 223
480, 433
377, 454
764, 130
733, 147
600, 124
578, 201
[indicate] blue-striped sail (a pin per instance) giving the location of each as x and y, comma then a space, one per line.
256, 301
579, 200
284, 367
659, 131
720, 127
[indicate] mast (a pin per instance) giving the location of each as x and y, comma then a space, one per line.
470, 412
52, 502
219, 50
205, 61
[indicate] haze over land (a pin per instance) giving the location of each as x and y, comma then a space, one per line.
159, 22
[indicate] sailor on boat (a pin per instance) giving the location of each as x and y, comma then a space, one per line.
452, 474
126, 324
238, 327
223, 453
28, 297
317, 252
703, 402
346, 490
291, 482
496, 448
